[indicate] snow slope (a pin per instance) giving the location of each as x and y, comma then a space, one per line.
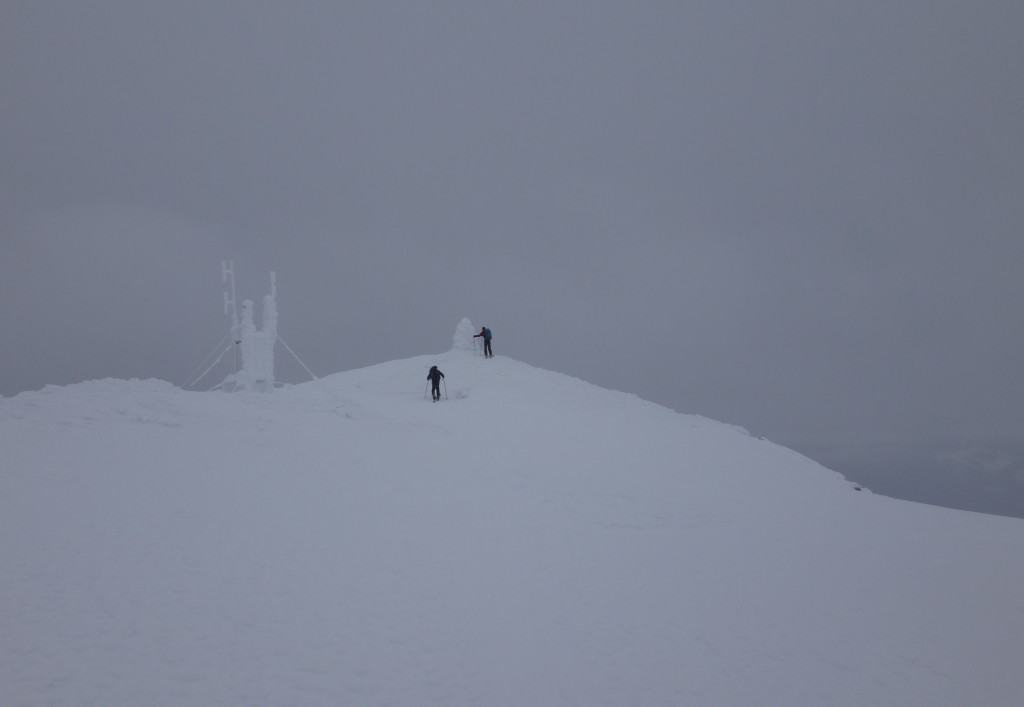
532, 540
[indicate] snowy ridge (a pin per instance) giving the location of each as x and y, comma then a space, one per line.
531, 540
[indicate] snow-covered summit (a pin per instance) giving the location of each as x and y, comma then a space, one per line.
531, 540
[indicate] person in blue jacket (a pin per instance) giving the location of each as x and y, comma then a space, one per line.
486, 333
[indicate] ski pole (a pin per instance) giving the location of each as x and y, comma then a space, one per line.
445, 388
425, 390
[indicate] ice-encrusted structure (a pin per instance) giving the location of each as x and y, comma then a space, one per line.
256, 346
463, 338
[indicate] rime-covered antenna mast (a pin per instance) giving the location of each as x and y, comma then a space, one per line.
256, 345
227, 268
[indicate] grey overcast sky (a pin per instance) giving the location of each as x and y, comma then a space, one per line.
805, 218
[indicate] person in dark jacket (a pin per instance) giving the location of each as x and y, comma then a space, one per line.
486, 333
435, 377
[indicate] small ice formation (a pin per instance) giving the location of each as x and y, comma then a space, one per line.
463, 339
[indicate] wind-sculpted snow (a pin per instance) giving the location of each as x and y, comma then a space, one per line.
463, 340
529, 540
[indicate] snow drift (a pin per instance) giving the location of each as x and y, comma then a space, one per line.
530, 540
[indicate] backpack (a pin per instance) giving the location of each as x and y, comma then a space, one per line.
487, 334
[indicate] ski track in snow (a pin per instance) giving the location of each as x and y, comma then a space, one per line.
530, 540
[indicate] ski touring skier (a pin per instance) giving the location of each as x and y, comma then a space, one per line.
435, 377
486, 333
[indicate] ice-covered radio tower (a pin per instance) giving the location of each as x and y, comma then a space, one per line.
256, 346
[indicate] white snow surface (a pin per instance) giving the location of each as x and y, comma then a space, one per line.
530, 540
